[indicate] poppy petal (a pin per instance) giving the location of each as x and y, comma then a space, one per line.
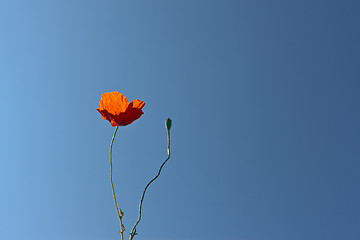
137, 104
113, 102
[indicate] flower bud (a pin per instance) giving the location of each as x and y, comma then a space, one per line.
168, 124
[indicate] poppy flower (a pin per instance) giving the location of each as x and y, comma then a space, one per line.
115, 108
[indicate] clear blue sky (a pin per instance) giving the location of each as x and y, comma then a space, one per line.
264, 97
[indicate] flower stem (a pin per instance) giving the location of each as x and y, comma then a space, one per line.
119, 212
133, 230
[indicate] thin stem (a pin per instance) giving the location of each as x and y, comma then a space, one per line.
119, 212
133, 231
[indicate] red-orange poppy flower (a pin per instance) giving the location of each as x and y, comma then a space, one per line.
115, 108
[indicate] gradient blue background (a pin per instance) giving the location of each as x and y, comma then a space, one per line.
264, 97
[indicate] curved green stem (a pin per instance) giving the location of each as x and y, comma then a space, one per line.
133, 230
119, 212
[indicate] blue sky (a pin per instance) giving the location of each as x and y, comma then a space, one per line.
264, 97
